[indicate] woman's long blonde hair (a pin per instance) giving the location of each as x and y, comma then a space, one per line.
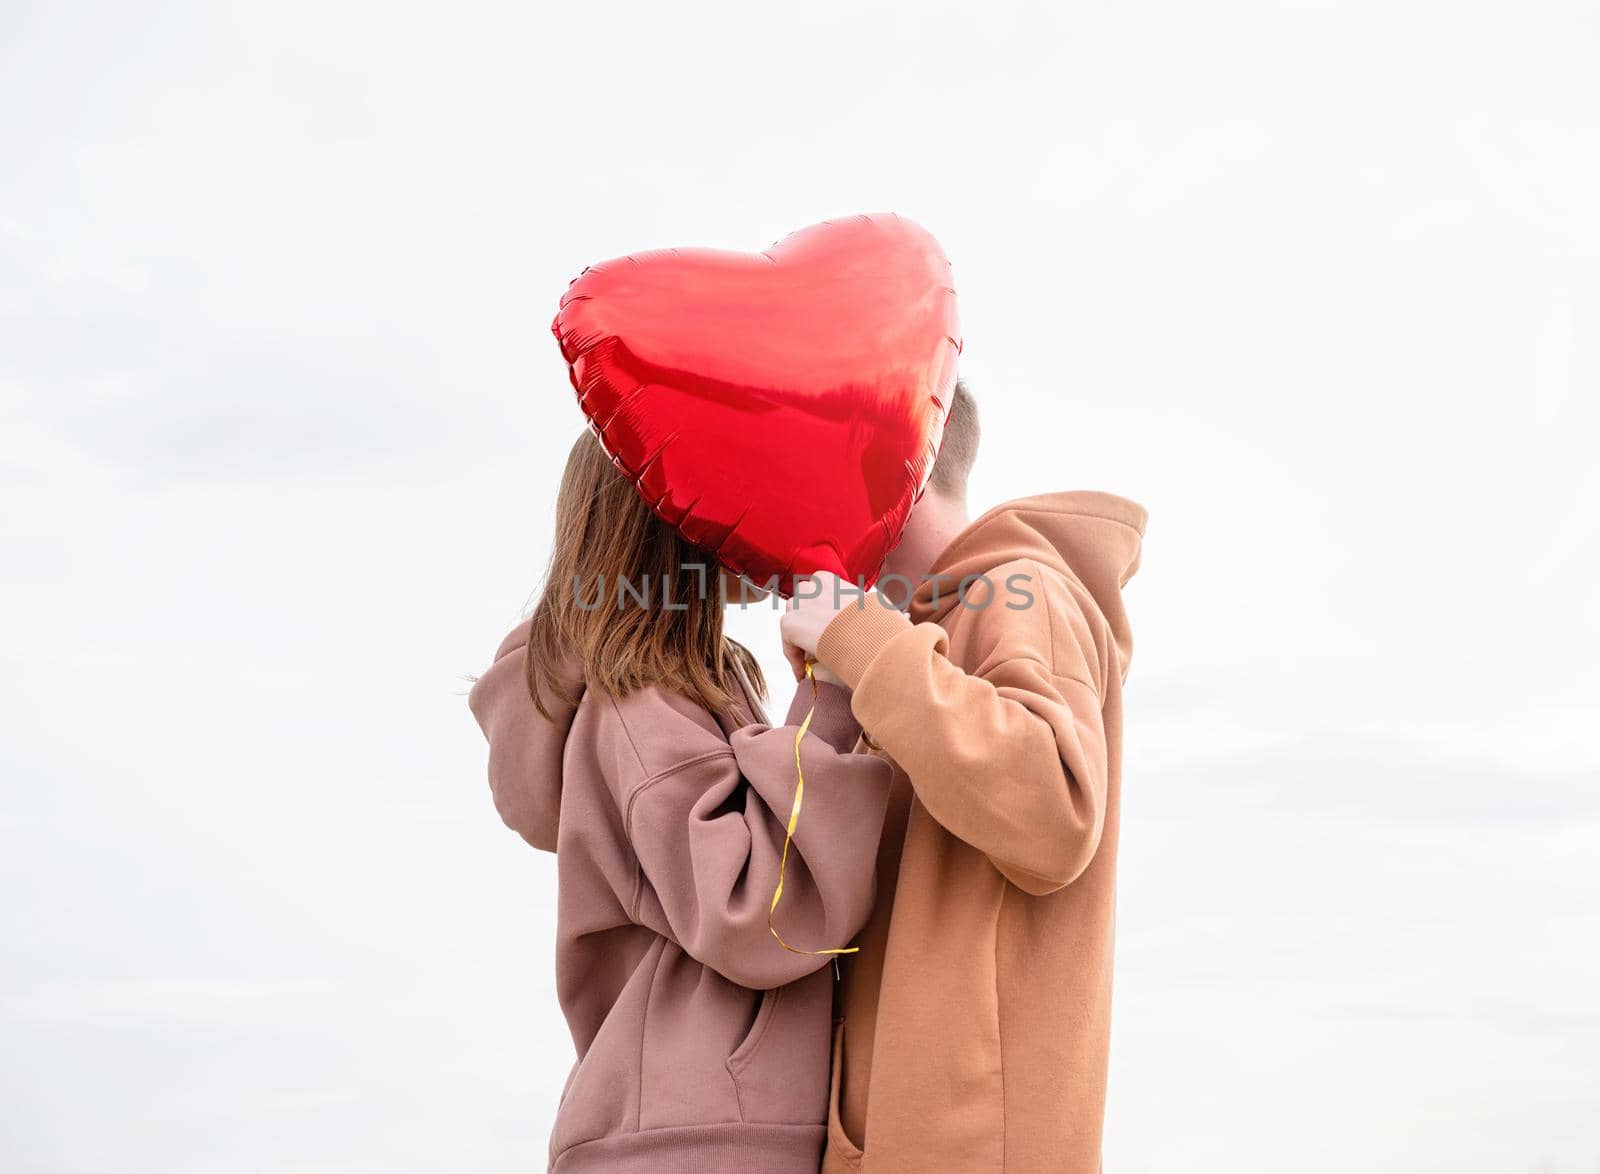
607, 537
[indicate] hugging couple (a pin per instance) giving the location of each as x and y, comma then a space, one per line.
960, 827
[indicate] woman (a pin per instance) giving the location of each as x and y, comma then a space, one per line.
624, 736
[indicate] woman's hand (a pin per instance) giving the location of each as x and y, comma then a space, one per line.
797, 658
815, 602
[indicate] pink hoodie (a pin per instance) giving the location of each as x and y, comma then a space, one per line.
703, 1045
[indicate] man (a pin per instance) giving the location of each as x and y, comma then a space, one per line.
975, 1019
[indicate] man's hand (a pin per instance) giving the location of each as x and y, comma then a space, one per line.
816, 601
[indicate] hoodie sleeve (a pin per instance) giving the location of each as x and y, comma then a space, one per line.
1011, 760
708, 830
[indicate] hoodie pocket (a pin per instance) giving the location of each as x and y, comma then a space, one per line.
779, 1071
842, 1152
739, 1059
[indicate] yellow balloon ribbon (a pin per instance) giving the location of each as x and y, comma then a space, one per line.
794, 820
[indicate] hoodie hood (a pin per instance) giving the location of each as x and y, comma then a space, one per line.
1093, 537
526, 748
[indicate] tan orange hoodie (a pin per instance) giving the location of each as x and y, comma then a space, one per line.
976, 1018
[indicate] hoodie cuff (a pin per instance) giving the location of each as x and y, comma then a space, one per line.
854, 637
832, 721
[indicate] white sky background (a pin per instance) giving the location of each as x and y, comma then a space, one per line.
281, 422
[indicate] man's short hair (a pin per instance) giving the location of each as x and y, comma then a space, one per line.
959, 449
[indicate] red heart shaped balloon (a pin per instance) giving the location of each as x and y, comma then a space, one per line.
781, 409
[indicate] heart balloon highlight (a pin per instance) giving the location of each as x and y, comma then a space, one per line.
781, 409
